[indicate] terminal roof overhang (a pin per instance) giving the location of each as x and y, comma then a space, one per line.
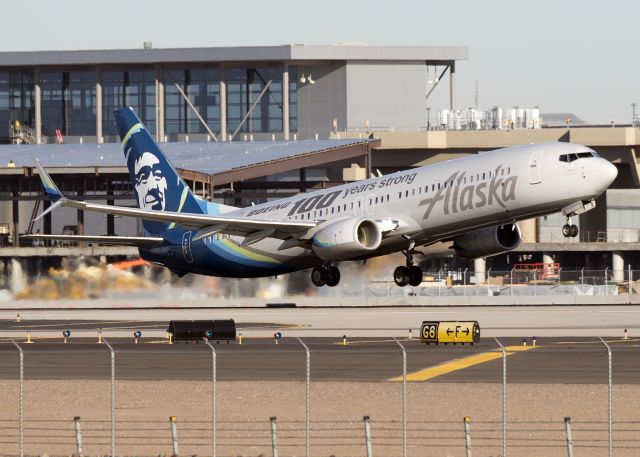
289, 52
219, 163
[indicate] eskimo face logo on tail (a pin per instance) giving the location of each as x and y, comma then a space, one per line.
150, 182
494, 192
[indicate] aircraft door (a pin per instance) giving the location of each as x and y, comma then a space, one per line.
369, 203
534, 167
357, 207
186, 247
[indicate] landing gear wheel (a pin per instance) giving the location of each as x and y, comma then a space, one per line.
402, 276
333, 275
566, 230
416, 276
573, 231
318, 276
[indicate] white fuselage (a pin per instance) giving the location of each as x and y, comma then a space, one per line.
440, 201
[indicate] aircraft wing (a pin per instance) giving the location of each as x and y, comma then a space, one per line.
207, 225
239, 226
138, 241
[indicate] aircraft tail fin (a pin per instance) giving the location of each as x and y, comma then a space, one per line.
157, 184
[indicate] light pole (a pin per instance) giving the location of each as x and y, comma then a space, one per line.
633, 114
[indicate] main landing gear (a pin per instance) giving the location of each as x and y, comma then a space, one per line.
408, 275
328, 275
569, 230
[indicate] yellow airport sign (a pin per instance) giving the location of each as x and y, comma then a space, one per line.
463, 332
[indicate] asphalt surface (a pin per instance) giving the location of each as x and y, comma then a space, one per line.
553, 360
568, 349
502, 321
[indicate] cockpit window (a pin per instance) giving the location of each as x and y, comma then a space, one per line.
580, 155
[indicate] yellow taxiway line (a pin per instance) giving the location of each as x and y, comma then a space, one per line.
460, 364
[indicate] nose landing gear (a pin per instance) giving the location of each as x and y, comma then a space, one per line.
328, 275
408, 275
569, 230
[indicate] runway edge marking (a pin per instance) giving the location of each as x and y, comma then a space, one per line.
460, 364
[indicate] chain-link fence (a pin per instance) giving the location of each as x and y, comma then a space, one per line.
528, 280
321, 397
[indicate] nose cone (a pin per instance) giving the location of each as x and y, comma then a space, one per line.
607, 173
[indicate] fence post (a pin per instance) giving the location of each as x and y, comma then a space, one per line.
610, 401
79, 451
504, 398
21, 399
113, 398
567, 427
511, 278
404, 398
464, 281
174, 436
367, 435
274, 436
214, 380
308, 398
630, 276
467, 435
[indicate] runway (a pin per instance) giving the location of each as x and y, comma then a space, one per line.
513, 321
552, 360
567, 348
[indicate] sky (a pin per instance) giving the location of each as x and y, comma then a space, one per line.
562, 55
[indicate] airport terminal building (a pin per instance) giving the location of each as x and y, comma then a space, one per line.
249, 124
264, 90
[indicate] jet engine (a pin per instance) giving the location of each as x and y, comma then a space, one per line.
346, 239
488, 241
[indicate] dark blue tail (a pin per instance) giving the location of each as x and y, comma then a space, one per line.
156, 183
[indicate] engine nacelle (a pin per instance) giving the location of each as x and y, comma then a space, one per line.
346, 239
487, 242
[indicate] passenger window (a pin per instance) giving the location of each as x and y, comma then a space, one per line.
406, 193
484, 176
399, 194
387, 197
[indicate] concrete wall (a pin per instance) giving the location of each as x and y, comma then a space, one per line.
389, 95
320, 103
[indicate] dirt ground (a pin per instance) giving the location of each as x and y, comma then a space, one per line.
435, 413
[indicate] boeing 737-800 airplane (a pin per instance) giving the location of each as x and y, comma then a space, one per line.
473, 201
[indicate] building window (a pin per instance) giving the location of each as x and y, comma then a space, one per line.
16, 100
68, 102
135, 88
202, 87
244, 86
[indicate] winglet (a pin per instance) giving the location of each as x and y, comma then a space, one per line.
48, 210
49, 186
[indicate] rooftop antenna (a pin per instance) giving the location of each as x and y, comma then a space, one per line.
477, 95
